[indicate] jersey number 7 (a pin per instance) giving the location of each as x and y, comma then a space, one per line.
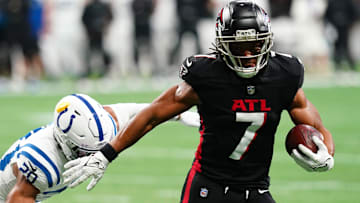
256, 120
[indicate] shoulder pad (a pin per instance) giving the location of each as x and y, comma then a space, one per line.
185, 66
37, 167
292, 64
193, 64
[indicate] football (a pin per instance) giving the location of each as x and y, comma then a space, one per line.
302, 134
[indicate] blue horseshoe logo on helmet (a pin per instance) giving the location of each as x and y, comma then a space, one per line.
70, 124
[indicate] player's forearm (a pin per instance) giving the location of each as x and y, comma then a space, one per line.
16, 196
22, 200
134, 130
316, 121
161, 109
308, 114
328, 140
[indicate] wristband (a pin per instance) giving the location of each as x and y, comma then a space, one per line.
109, 152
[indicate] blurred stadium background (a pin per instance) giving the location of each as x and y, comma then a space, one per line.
155, 168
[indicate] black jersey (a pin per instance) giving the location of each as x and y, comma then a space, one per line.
239, 116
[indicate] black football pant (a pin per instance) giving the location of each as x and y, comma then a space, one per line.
200, 189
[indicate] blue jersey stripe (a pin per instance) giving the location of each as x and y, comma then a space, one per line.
7, 158
39, 165
37, 129
47, 158
96, 117
31, 133
55, 191
113, 122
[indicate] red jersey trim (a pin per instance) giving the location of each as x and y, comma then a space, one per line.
196, 167
188, 185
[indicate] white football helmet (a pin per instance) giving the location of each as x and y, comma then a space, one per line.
82, 126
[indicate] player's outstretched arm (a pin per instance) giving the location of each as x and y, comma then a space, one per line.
125, 111
23, 191
172, 102
302, 111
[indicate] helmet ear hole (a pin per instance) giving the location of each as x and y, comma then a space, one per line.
81, 135
77, 113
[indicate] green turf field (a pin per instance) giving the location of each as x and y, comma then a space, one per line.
153, 170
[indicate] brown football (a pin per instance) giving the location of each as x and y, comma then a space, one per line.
302, 134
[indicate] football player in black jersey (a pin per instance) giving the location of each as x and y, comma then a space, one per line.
240, 91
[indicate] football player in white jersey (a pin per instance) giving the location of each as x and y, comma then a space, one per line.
31, 169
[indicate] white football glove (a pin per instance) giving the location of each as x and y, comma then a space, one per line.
79, 170
310, 161
189, 118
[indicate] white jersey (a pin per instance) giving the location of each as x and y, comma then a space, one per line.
40, 159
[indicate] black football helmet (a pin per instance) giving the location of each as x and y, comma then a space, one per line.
244, 37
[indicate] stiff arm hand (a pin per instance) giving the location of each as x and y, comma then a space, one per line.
79, 170
310, 161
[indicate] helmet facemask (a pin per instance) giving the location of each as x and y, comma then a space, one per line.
73, 148
70, 149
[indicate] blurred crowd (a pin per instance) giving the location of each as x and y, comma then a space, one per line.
53, 39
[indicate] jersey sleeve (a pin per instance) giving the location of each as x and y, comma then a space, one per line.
37, 167
295, 76
189, 71
188, 118
125, 111
301, 72
293, 67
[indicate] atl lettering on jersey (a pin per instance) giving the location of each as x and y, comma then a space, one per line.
250, 104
